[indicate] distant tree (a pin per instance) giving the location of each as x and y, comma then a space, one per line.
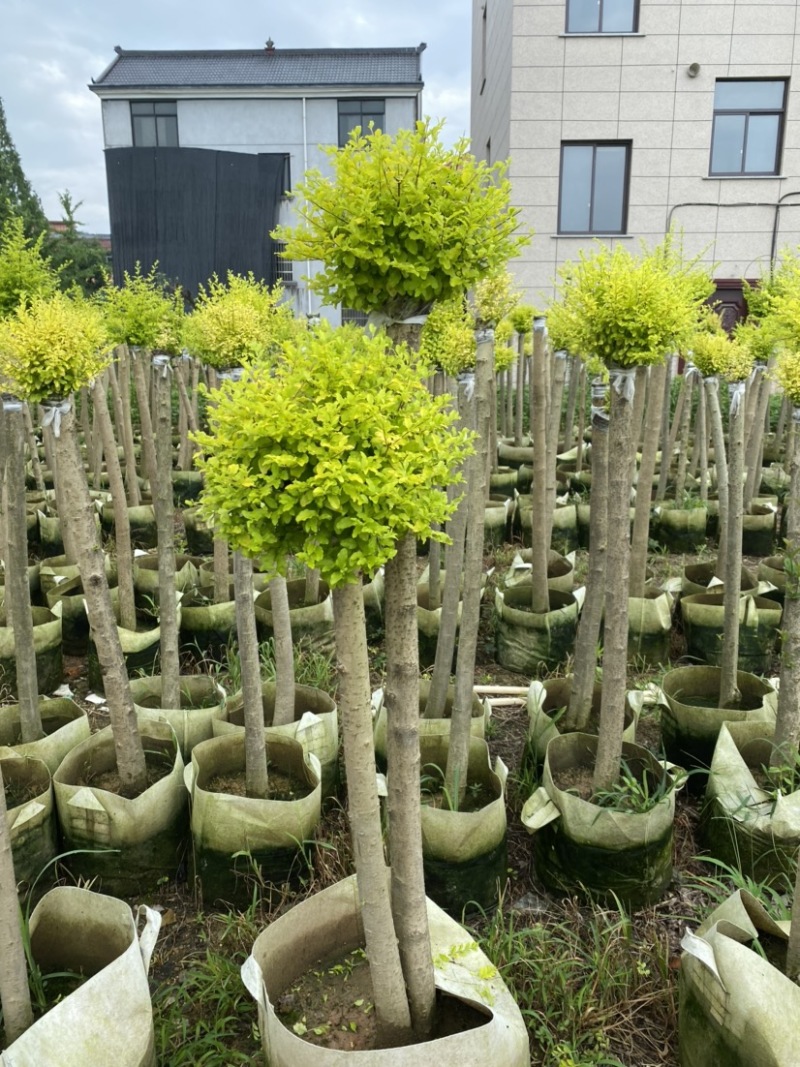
16, 195
25, 272
81, 261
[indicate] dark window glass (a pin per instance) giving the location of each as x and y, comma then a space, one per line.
154, 123
748, 127
354, 113
602, 16
593, 191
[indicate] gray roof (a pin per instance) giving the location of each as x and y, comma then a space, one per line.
276, 67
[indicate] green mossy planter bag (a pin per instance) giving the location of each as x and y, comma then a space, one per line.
315, 726
679, 529
34, 585
564, 536
201, 700
691, 719
758, 530
148, 834
328, 925
439, 726
752, 830
70, 597
771, 570
464, 853
65, 725
140, 650
47, 650
311, 621
560, 570
145, 575
503, 481
49, 537
199, 536
759, 625
241, 841
498, 516
109, 1018
701, 578
142, 518
650, 627
774, 481
515, 456
531, 643
207, 628
186, 487
32, 821
580, 846
548, 700
735, 1008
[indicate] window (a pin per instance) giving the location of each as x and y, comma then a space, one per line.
593, 190
602, 16
748, 127
359, 113
283, 267
155, 123
351, 317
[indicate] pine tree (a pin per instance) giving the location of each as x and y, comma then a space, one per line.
16, 195
79, 260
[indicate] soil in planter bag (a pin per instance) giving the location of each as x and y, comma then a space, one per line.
736, 1009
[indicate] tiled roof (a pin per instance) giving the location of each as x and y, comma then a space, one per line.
275, 67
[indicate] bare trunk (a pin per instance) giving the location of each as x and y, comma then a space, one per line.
165, 522
122, 413
755, 438
403, 758
122, 525
540, 546
644, 486
615, 633
222, 577
793, 947
682, 438
60, 489
145, 421
284, 651
33, 449
666, 455
15, 997
702, 436
588, 635
255, 748
311, 595
461, 719
80, 516
581, 388
559, 368
18, 593
573, 372
721, 463
729, 695
520, 390
787, 726
391, 1002
638, 408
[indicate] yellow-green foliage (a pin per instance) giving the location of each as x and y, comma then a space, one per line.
787, 375
403, 222
330, 454
715, 354
522, 318
504, 352
758, 336
448, 337
237, 321
627, 310
24, 272
54, 346
137, 311
494, 298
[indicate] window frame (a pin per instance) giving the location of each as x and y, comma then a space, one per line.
594, 231
153, 113
356, 118
747, 113
634, 28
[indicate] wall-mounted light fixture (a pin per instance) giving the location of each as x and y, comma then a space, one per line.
693, 70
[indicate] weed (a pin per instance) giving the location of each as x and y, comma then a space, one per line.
636, 792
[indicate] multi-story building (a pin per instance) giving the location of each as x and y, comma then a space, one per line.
623, 118
202, 148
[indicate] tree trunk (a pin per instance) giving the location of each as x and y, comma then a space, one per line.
255, 750
540, 546
165, 523
666, 455
391, 1002
520, 390
15, 997
311, 594
701, 430
145, 421
559, 368
787, 726
755, 437
721, 464
122, 413
80, 516
122, 524
222, 577
615, 633
284, 651
588, 635
33, 448
461, 719
644, 490
793, 947
403, 758
18, 593
729, 695
682, 437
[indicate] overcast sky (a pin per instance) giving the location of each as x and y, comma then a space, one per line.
51, 49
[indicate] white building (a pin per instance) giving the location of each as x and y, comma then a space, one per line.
622, 117
202, 147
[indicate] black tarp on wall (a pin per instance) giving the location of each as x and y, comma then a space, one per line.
195, 211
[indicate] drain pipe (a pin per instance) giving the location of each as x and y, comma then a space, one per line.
305, 168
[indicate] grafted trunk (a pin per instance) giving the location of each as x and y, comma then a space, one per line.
391, 1001
255, 749
403, 757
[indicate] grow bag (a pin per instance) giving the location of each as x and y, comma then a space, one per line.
548, 700
560, 570
201, 700
650, 626
328, 924
578, 845
531, 643
759, 624
31, 823
46, 646
199, 536
312, 621
758, 530
65, 725
679, 529
108, 1019
74, 620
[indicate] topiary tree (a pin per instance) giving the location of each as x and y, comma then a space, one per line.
333, 454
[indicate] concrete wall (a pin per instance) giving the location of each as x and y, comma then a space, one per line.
491, 95
636, 87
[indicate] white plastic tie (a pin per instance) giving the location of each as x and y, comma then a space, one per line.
484, 335
736, 395
466, 381
53, 412
162, 362
623, 382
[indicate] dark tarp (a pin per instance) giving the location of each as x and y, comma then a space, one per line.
195, 211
